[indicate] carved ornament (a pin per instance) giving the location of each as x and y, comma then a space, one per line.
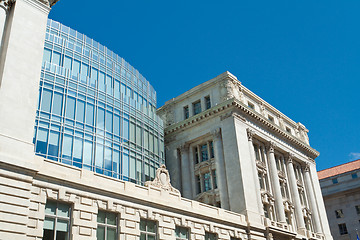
7, 4
307, 167
216, 133
162, 180
290, 157
271, 147
250, 134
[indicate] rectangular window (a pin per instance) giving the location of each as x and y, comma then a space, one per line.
339, 213
210, 236
186, 112
334, 180
211, 144
106, 226
196, 155
148, 230
207, 182
354, 175
214, 179
181, 233
342, 229
196, 107
57, 221
204, 153
207, 102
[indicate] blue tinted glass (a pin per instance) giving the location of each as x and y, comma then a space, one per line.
108, 158
56, 58
102, 81
41, 144
67, 62
46, 100
125, 133
100, 119
57, 103
125, 165
67, 147
117, 125
87, 156
70, 108
109, 121
76, 67
47, 55
77, 157
80, 111
84, 69
99, 157
89, 113
54, 143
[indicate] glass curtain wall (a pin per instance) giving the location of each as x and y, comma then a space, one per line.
96, 111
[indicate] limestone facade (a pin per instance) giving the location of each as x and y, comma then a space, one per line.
227, 147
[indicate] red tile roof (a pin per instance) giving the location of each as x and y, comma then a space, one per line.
343, 168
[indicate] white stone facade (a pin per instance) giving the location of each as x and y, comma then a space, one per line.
227, 147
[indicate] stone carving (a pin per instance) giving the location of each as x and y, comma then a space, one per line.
216, 133
271, 147
262, 108
49, 3
250, 134
6, 4
307, 167
290, 157
162, 180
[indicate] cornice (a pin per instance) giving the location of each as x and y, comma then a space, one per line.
236, 104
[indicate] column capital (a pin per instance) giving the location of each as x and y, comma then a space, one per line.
250, 134
307, 167
184, 148
290, 157
6, 4
271, 146
216, 133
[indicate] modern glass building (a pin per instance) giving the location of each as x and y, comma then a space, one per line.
95, 110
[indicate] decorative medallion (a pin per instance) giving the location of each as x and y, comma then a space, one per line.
162, 180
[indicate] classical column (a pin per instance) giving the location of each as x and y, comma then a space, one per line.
220, 169
4, 9
274, 176
192, 172
185, 171
295, 193
250, 134
312, 200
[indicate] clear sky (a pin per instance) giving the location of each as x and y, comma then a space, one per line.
303, 57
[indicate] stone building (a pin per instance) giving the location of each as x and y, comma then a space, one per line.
49, 191
340, 186
227, 147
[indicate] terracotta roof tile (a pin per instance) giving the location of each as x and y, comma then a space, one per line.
343, 168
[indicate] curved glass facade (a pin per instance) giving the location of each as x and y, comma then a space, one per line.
95, 110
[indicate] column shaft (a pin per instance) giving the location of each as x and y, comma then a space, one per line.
279, 206
295, 195
185, 172
255, 172
312, 201
220, 170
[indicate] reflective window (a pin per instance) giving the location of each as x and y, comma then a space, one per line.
210, 236
181, 233
57, 221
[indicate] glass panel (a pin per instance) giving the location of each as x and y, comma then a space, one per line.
111, 234
132, 132
99, 155
80, 111
125, 133
50, 208
57, 103
150, 237
100, 233
78, 149
48, 234
70, 108
47, 55
41, 143
125, 165
76, 66
116, 125
142, 236
142, 225
109, 121
67, 147
100, 121
151, 226
63, 210
89, 114
46, 100
53, 143
56, 58
111, 218
87, 153
67, 62
62, 225
49, 223
101, 217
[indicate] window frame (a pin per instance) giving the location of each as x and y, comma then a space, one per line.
187, 233
106, 225
343, 229
56, 217
146, 232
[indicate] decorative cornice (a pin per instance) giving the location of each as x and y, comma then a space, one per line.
250, 134
234, 103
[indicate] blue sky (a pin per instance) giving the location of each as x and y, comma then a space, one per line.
301, 57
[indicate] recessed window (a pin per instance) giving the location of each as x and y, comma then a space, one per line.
334, 180
106, 226
207, 181
57, 221
181, 233
197, 107
148, 230
207, 102
186, 112
342, 229
339, 213
211, 144
354, 175
251, 105
204, 152
271, 119
210, 236
357, 208
214, 179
